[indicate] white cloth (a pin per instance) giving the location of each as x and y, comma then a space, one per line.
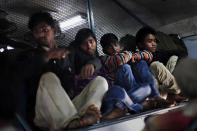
55, 109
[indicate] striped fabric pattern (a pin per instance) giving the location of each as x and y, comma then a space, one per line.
142, 55
124, 57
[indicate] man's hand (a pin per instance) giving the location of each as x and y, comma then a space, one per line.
57, 53
87, 71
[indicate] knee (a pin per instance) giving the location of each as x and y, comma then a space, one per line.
173, 58
125, 67
156, 66
47, 75
47, 78
140, 94
142, 62
148, 90
102, 82
116, 91
140, 65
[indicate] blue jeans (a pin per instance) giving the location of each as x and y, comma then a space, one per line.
117, 96
142, 74
136, 91
128, 90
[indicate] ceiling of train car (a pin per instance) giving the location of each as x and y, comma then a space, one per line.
156, 13
27, 7
165, 11
20, 10
159, 12
170, 16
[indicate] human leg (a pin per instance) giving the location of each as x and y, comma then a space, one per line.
88, 103
171, 64
142, 74
139, 94
92, 94
116, 103
167, 82
124, 77
53, 109
117, 96
91, 116
136, 91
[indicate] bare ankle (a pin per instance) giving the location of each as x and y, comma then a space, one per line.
115, 113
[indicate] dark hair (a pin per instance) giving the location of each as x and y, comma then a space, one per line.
128, 42
83, 34
39, 17
107, 39
142, 33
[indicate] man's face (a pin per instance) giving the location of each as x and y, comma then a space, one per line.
89, 46
44, 33
149, 43
112, 49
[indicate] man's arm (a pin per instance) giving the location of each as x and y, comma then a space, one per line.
97, 64
57, 53
113, 62
142, 55
84, 64
91, 67
119, 59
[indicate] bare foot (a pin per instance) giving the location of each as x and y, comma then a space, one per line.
155, 103
91, 116
92, 109
52, 127
177, 98
115, 113
162, 103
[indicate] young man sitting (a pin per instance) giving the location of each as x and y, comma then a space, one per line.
57, 104
139, 86
145, 40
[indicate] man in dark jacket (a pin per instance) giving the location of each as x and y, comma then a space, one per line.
57, 103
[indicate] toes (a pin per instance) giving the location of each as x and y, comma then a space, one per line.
93, 109
91, 106
74, 124
91, 116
